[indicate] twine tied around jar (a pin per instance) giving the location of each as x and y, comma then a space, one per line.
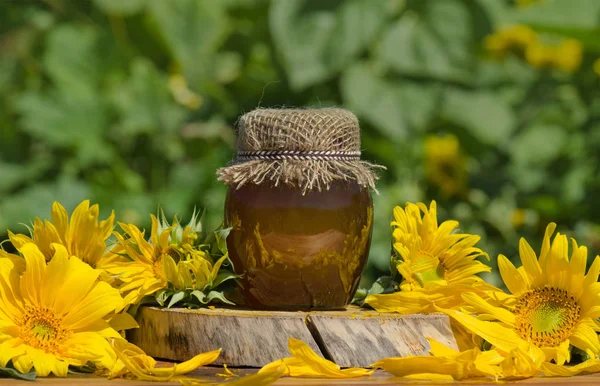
306, 148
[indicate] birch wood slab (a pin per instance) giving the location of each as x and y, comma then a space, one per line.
357, 338
247, 338
351, 338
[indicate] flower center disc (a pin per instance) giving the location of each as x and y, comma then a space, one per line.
546, 316
40, 328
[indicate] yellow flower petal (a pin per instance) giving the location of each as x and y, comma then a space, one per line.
587, 367
54, 280
18, 240
439, 350
192, 364
11, 304
504, 338
60, 218
515, 282
546, 244
529, 261
122, 322
483, 307
83, 347
100, 301
593, 273
8, 351
585, 338
35, 270
170, 270
402, 367
261, 378
304, 362
132, 360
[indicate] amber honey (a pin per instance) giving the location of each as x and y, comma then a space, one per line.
299, 251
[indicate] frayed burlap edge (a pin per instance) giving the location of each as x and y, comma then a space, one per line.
305, 174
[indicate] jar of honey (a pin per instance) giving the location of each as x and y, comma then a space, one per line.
299, 208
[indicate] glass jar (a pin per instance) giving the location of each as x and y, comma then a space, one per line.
299, 251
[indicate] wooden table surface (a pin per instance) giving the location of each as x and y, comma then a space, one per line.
379, 378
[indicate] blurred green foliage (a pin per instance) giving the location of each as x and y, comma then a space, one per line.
133, 104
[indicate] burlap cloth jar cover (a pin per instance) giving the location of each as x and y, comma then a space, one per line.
299, 208
306, 148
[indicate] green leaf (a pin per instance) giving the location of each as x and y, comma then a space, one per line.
572, 14
577, 19
162, 296
8, 67
220, 296
384, 284
532, 151
11, 372
482, 113
37, 200
76, 70
435, 41
396, 109
224, 276
221, 239
145, 104
58, 117
359, 296
15, 174
88, 368
200, 296
176, 298
538, 145
316, 39
120, 7
192, 29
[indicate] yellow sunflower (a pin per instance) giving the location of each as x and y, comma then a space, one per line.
51, 316
83, 236
554, 304
437, 263
170, 257
445, 166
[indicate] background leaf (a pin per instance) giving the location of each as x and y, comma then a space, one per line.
317, 39
133, 104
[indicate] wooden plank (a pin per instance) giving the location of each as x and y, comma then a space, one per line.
247, 338
358, 338
378, 378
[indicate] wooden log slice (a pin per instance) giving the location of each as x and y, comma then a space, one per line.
351, 338
247, 338
357, 338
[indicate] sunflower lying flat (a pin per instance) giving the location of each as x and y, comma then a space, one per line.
435, 263
429, 253
555, 303
52, 316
